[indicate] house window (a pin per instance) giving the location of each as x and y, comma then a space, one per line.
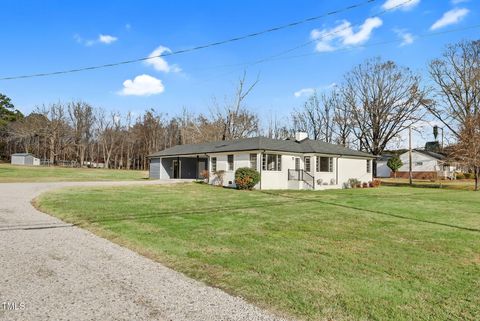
272, 162
307, 163
419, 164
214, 164
230, 162
324, 164
253, 161
369, 165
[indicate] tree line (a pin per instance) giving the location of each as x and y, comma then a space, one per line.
373, 104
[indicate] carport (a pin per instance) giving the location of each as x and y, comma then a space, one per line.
179, 167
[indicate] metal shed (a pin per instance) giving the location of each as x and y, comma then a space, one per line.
25, 159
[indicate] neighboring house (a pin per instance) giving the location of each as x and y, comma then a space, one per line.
382, 168
426, 165
25, 159
298, 163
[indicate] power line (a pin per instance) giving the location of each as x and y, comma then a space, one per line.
421, 36
381, 43
336, 31
213, 44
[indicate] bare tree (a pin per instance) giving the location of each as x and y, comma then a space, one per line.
237, 121
342, 123
383, 99
457, 78
82, 120
317, 117
467, 150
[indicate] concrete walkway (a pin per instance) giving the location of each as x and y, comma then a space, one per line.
53, 271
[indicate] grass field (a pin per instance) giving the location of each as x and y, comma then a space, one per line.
464, 184
392, 253
15, 173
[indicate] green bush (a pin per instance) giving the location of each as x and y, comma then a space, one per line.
460, 175
468, 175
246, 178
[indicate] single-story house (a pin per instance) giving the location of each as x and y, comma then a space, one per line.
298, 163
426, 165
25, 159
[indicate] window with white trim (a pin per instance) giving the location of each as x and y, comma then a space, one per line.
253, 161
214, 164
324, 164
307, 163
271, 162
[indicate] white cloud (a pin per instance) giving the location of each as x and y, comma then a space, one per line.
142, 85
159, 63
107, 39
450, 17
407, 37
399, 4
344, 35
304, 92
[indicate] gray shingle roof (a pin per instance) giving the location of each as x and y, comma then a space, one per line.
22, 154
431, 154
261, 143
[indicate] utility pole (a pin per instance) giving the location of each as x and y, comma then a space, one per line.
410, 155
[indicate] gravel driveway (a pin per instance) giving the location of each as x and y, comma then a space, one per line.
52, 271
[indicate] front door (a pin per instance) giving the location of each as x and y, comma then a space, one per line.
176, 168
297, 163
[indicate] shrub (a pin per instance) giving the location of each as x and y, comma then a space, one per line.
377, 183
370, 184
468, 175
219, 177
460, 175
205, 174
353, 182
246, 178
394, 164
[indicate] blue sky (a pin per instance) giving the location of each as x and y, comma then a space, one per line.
43, 36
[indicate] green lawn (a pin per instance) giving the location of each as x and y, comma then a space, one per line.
463, 184
16, 173
392, 253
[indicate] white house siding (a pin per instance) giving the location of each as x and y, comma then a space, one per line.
18, 160
382, 169
25, 160
279, 179
347, 168
429, 164
239, 160
353, 168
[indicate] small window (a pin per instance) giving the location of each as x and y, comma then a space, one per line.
230, 162
324, 164
253, 161
307, 163
272, 162
419, 164
369, 165
214, 164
